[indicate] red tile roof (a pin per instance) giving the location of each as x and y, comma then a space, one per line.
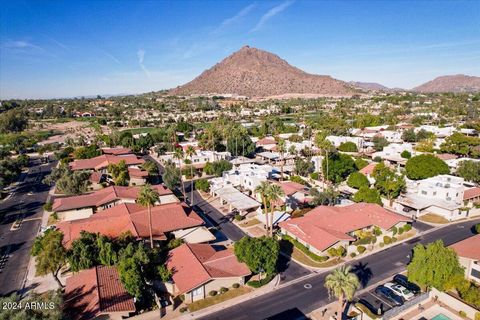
96, 291
471, 193
95, 177
290, 187
468, 248
102, 197
133, 218
102, 162
137, 173
324, 226
116, 151
195, 264
266, 141
368, 170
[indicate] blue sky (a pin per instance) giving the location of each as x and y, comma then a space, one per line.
75, 48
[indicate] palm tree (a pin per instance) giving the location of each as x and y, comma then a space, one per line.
147, 198
281, 148
342, 283
274, 194
263, 189
178, 154
190, 152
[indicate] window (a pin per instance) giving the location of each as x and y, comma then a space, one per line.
475, 273
424, 192
197, 292
434, 193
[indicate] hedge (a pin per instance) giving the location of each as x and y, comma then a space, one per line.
304, 249
260, 283
361, 249
213, 293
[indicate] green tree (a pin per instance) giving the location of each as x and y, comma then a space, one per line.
379, 143
260, 254
263, 189
119, 173
13, 121
84, 252
409, 135
368, 195
107, 254
151, 167
425, 166
405, 154
147, 198
50, 255
342, 284
281, 148
202, 185
171, 176
327, 197
217, 168
469, 170
340, 167
190, 152
239, 142
357, 180
274, 194
131, 265
88, 152
348, 147
179, 155
387, 182
434, 265
303, 167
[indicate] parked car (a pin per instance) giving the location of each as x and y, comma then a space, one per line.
389, 295
400, 290
370, 307
403, 281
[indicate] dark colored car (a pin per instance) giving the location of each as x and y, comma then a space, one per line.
389, 295
403, 281
369, 306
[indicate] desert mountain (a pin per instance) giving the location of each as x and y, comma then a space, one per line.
256, 73
370, 86
454, 83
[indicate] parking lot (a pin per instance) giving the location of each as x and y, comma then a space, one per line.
379, 303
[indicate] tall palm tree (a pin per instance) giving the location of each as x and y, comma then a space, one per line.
342, 283
274, 194
281, 147
190, 152
147, 198
263, 189
178, 154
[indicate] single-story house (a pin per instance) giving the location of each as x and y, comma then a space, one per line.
198, 269
468, 252
101, 163
325, 227
83, 206
133, 218
97, 293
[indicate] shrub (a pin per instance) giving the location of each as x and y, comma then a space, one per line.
315, 175
407, 227
377, 231
377, 159
477, 316
202, 185
394, 239
212, 293
348, 147
400, 231
239, 217
48, 206
297, 179
223, 290
387, 240
361, 249
361, 163
259, 283
477, 228
382, 244
357, 180
462, 314
337, 252
182, 297
353, 254
236, 285
183, 309
405, 154
394, 230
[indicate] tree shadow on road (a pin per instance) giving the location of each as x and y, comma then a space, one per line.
363, 272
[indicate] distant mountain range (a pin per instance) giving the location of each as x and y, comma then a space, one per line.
455, 83
256, 73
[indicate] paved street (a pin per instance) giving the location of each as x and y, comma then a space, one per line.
310, 294
15, 245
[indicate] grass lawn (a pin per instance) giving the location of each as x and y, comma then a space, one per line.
249, 223
303, 258
210, 301
433, 218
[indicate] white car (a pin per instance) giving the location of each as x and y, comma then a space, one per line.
400, 290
